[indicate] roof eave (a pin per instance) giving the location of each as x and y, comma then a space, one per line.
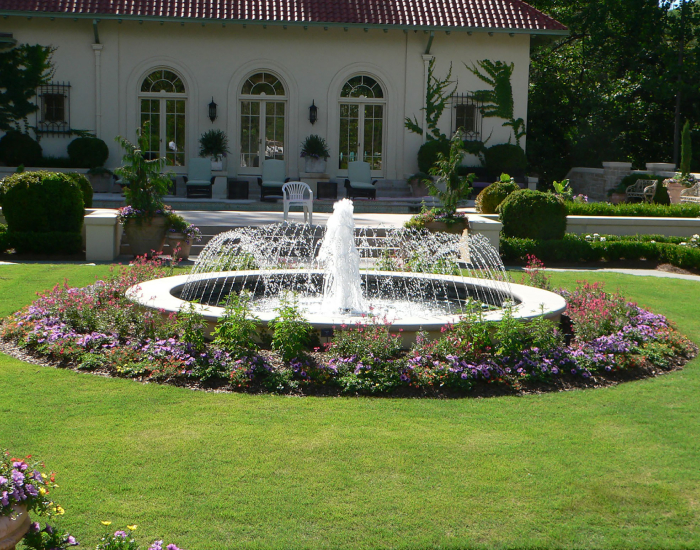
261, 22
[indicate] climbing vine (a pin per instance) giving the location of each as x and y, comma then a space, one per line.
436, 99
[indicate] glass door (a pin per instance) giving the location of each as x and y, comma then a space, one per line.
262, 132
361, 132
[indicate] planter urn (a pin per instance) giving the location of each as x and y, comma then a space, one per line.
418, 188
617, 198
179, 240
12, 530
217, 165
146, 236
674, 189
314, 165
457, 228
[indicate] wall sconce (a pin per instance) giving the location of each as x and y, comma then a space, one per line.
313, 113
212, 110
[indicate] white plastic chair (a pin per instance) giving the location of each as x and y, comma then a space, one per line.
297, 192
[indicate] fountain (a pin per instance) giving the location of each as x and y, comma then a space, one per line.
415, 280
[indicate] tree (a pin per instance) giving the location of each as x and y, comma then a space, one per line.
22, 70
608, 90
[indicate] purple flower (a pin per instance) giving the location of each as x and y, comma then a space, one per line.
171, 547
17, 477
71, 541
120, 534
157, 545
3, 480
35, 527
31, 489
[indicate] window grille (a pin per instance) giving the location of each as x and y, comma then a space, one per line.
53, 116
466, 115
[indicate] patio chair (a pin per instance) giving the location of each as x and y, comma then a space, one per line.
297, 192
199, 180
359, 182
273, 178
642, 189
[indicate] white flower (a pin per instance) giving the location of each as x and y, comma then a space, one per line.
654, 242
596, 235
684, 244
602, 239
588, 237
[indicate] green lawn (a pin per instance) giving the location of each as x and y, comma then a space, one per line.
606, 468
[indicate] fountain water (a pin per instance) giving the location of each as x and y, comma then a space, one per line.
415, 280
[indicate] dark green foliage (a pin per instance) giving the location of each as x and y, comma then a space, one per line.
531, 214
445, 171
213, 143
237, 331
17, 148
85, 187
42, 202
490, 197
22, 70
575, 248
428, 153
34, 242
292, 333
315, 146
639, 209
507, 158
686, 149
88, 152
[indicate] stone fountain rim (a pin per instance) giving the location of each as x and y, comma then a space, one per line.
158, 294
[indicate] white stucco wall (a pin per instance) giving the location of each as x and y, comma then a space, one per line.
214, 61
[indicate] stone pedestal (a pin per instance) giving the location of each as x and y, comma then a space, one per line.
103, 235
312, 178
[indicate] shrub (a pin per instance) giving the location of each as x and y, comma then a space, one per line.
85, 187
88, 152
17, 148
490, 197
292, 333
534, 215
237, 330
507, 158
51, 242
638, 209
42, 202
428, 153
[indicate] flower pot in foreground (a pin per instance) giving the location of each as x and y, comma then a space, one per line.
180, 241
146, 236
12, 530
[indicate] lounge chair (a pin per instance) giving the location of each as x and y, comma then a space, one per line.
199, 179
273, 178
359, 182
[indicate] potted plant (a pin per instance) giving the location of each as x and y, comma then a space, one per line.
450, 188
314, 151
181, 235
23, 488
144, 216
214, 144
417, 184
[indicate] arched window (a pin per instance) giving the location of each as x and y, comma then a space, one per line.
362, 107
263, 101
163, 100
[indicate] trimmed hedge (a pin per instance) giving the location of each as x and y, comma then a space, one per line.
428, 153
505, 158
575, 248
42, 202
32, 242
640, 209
88, 152
85, 187
529, 214
490, 197
18, 149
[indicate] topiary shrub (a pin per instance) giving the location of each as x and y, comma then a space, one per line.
85, 187
490, 197
428, 152
88, 152
528, 214
507, 158
42, 202
17, 148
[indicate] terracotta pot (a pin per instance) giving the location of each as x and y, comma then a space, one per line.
12, 530
146, 236
674, 190
457, 228
617, 198
178, 240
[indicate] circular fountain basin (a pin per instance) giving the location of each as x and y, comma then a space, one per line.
163, 295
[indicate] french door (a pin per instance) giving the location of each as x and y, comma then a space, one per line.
262, 132
361, 134
166, 118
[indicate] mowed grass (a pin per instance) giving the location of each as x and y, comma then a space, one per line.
607, 468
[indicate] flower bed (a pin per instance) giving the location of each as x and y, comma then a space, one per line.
678, 251
601, 340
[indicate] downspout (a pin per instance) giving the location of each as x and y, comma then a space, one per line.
427, 58
97, 48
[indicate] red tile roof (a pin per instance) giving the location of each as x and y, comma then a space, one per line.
476, 14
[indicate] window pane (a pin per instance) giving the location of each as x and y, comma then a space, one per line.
53, 107
349, 138
163, 80
373, 129
250, 133
274, 130
150, 112
175, 132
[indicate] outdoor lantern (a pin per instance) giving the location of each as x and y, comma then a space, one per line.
313, 113
212, 110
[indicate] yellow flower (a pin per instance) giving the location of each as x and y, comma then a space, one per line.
44, 476
42, 491
131, 527
106, 522
60, 511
